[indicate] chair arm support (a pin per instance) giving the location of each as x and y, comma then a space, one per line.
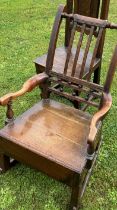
111, 25
106, 105
28, 86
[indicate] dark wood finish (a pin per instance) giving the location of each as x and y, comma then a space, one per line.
89, 8
49, 120
68, 55
78, 88
9, 113
111, 73
54, 138
59, 61
4, 163
103, 15
76, 191
53, 40
86, 53
75, 65
78, 52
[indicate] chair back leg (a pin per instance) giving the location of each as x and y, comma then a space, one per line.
75, 193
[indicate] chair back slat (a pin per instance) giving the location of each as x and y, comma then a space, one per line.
86, 51
78, 49
92, 24
90, 8
95, 52
69, 48
77, 63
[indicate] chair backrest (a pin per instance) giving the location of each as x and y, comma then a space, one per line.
91, 8
70, 80
91, 26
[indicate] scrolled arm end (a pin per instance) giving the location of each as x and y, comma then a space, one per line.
28, 86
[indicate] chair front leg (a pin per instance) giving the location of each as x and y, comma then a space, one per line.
6, 163
76, 192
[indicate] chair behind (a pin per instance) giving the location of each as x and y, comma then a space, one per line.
90, 8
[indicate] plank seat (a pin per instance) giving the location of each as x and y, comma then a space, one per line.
59, 62
52, 130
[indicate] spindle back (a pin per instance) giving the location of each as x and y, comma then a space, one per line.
71, 79
90, 8
85, 24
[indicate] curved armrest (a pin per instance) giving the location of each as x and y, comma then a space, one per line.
28, 86
106, 105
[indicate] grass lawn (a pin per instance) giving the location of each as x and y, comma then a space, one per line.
25, 27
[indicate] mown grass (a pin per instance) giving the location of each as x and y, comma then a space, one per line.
25, 31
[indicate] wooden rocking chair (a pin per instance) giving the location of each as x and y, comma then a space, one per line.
52, 137
90, 8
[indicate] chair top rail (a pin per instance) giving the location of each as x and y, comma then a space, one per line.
90, 21
87, 20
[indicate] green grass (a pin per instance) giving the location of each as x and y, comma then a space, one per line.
25, 30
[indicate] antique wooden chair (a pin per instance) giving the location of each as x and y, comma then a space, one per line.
52, 137
86, 59
91, 8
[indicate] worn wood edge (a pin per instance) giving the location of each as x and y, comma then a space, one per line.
4, 137
106, 105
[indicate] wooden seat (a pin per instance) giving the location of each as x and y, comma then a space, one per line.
52, 137
59, 61
52, 130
